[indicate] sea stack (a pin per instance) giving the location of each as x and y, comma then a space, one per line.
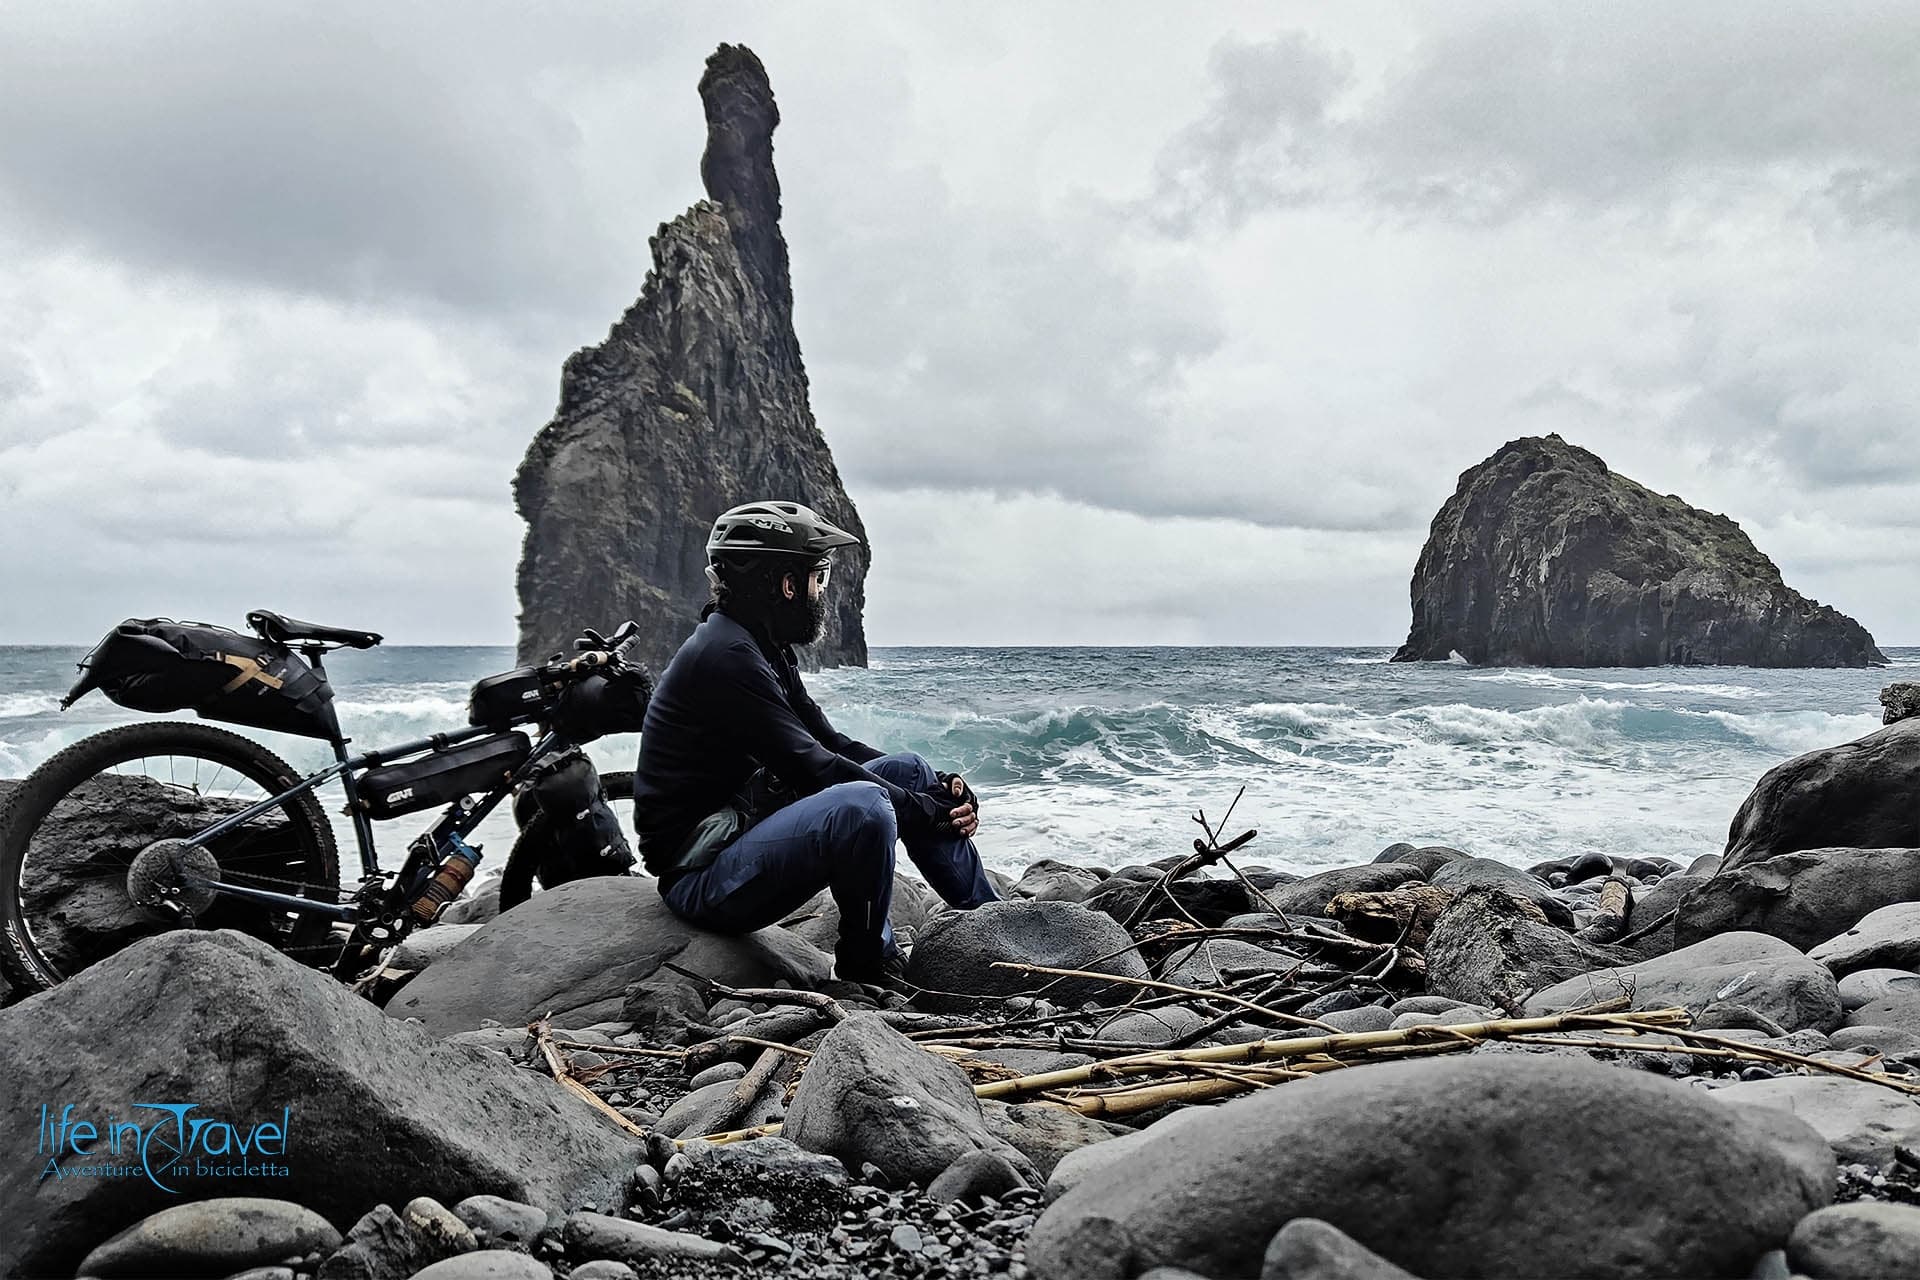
696, 402
1545, 558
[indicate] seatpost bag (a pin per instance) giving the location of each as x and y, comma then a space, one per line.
585, 837
159, 665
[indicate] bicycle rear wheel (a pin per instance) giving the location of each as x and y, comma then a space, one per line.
72, 832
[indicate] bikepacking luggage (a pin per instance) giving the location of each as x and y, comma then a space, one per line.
584, 836
604, 703
157, 664
441, 777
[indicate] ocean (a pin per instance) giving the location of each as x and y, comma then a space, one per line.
1103, 755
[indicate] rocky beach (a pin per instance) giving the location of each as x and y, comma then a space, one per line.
1428, 1065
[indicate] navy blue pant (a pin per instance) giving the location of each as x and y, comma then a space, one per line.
841, 839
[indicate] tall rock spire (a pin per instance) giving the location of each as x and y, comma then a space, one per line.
696, 402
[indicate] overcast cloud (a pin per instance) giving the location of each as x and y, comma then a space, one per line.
1172, 323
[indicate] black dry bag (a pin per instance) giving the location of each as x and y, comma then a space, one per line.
583, 836
157, 664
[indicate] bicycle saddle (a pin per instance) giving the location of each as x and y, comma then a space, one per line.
272, 626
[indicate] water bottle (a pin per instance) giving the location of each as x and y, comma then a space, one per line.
448, 881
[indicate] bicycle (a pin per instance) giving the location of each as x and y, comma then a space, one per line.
122, 855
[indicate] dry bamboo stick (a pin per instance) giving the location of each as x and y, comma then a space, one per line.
621, 1050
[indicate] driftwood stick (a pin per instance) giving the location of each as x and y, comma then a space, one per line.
1155, 984
621, 1050
1610, 915
820, 1000
767, 1071
543, 1037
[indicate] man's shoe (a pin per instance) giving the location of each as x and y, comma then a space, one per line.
889, 974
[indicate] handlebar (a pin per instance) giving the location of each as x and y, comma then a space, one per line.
600, 651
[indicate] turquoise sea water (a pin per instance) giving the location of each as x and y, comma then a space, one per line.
1103, 754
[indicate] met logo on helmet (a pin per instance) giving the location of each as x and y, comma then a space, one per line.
768, 522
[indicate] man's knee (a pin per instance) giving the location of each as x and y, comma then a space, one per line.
906, 769
862, 815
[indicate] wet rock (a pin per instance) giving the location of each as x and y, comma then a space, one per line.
591, 1236
211, 1237
973, 1176
290, 1046
1667, 1182
1804, 897
1543, 557
1489, 948
1211, 902
574, 950
958, 950
1309, 1249
870, 1095
1901, 700
1428, 858
1310, 895
1888, 938
494, 1218
1051, 881
1858, 795
1752, 969
1487, 873
1863, 1241
1862, 1122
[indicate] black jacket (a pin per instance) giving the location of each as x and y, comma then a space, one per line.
729, 703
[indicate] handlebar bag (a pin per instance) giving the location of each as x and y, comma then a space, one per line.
510, 698
159, 665
585, 837
603, 703
441, 777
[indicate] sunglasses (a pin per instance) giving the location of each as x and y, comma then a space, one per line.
821, 573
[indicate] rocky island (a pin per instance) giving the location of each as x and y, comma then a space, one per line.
1543, 557
696, 402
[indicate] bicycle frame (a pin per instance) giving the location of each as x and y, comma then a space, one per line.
459, 818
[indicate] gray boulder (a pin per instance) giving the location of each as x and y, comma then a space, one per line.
495, 1218
1862, 1241
1857, 795
870, 1095
1804, 897
424, 946
212, 1237
1754, 970
1642, 1178
1484, 948
593, 1236
954, 957
1210, 901
1894, 1042
1309, 1249
1864, 986
1487, 872
1051, 881
1862, 1122
1429, 858
1901, 700
1310, 895
1885, 939
1900, 1011
573, 951
1208, 963
487, 1264
373, 1109
1043, 1133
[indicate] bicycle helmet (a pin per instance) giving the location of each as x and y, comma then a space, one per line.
757, 529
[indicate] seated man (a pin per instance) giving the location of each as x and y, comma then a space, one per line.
746, 801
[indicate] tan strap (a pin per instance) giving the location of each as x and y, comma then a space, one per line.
249, 670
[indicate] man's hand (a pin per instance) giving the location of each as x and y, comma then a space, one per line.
964, 818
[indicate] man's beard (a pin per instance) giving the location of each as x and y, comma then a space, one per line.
800, 620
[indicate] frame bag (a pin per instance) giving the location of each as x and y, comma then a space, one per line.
442, 776
584, 836
159, 665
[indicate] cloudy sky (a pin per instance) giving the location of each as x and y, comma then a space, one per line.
1127, 323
